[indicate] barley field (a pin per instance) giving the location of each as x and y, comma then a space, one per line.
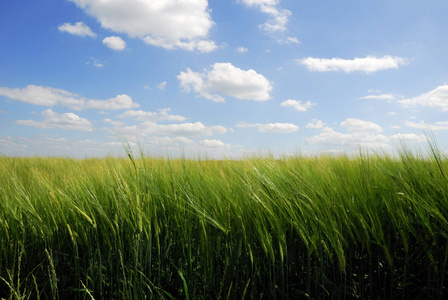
371, 226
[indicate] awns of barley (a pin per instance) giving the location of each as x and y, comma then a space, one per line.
366, 227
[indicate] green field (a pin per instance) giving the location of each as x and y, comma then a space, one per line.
342, 227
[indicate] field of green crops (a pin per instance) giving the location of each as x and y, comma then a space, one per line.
340, 227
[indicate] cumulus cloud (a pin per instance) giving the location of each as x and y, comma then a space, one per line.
226, 79
171, 24
114, 43
437, 98
48, 96
278, 17
214, 143
183, 129
367, 64
357, 125
316, 124
271, 127
53, 120
79, 28
161, 115
297, 104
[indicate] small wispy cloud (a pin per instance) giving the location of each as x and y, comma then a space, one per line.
298, 105
279, 17
379, 97
442, 125
161, 86
79, 28
270, 127
367, 64
241, 49
95, 62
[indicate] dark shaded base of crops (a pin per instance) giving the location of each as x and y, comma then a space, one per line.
122, 273
371, 227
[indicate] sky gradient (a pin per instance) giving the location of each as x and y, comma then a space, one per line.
221, 78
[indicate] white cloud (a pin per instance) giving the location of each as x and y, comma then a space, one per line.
379, 97
167, 141
138, 114
162, 85
367, 64
201, 46
170, 24
48, 96
112, 122
226, 79
183, 129
241, 49
165, 116
44, 145
119, 102
10, 144
39, 95
408, 137
279, 17
53, 120
437, 98
297, 104
328, 136
114, 43
271, 127
162, 115
428, 126
291, 40
214, 143
79, 28
317, 124
287, 40
357, 125
3, 112
95, 62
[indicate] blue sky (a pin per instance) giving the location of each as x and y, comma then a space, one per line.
220, 78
